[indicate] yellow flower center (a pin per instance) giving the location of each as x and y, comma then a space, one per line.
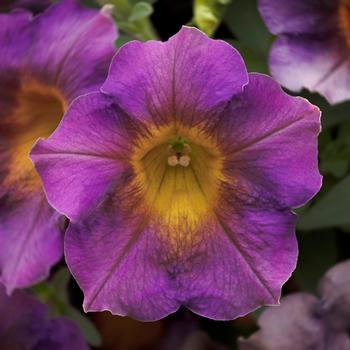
344, 19
178, 172
37, 112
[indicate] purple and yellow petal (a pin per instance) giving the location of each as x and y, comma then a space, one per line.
132, 274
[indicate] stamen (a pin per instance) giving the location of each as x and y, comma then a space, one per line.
179, 152
184, 160
172, 160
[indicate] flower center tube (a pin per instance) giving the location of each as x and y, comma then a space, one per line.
344, 19
178, 170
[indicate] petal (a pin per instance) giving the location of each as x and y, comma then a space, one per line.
11, 54
298, 16
117, 261
25, 325
245, 259
184, 78
276, 161
72, 47
92, 136
318, 64
21, 320
31, 237
334, 289
61, 334
293, 325
128, 262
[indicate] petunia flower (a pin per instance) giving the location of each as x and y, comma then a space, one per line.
179, 178
304, 321
25, 325
45, 62
312, 49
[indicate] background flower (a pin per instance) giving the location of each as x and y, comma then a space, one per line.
313, 45
25, 325
45, 62
304, 322
214, 232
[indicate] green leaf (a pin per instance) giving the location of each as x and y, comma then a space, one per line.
89, 330
123, 39
207, 14
140, 11
332, 209
317, 253
244, 21
54, 293
254, 62
59, 283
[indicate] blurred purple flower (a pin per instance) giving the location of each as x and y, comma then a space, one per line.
45, 62
179, 178
313, 45
184, 333
34, 6
25, 325
305, 322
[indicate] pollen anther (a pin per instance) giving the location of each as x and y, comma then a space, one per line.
179, 153
173, 161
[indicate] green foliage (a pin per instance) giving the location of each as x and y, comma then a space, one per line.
315, 259
252, 60
140, 11
207, 14
331, 115
332, 209
54, 293
132, 18
244, 21
252, 38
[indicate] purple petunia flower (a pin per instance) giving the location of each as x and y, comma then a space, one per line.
179, 178
45, 62
25, 325
313, 45
305, 322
